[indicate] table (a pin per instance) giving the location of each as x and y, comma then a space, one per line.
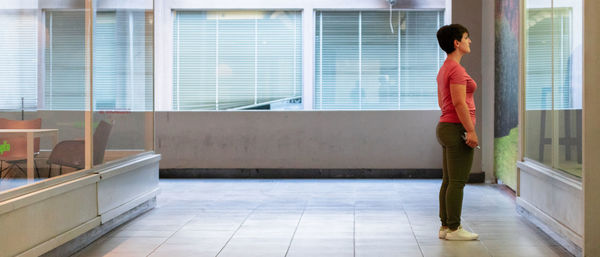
30, 134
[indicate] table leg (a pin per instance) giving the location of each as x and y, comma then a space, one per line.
30, 167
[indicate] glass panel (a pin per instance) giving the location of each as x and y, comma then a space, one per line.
123, 80
43, 71
421, 58
538, 81
361, 63
567, 82
338, 85
379, 58
237, 60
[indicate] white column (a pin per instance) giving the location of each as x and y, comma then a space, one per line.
163, 57
488, 91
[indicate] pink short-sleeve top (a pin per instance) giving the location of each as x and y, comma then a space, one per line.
450, 73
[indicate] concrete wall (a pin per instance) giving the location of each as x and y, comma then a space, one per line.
319, 140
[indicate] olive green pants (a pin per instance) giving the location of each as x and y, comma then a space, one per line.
457, 158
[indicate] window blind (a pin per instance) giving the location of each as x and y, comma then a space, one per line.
235, 59
18, 60
563, 41
64, 87
360, 64
548, 59
122, 61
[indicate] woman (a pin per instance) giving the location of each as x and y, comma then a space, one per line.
456, 129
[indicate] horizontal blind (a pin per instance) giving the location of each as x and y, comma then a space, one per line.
379, 72
360, 64
121, 57
64, 87
421, 58
549, 45
122, 61
337, 60
235, 59
18, 60
562, 58
538, 83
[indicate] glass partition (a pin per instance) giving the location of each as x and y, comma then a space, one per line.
43, 90
567, 41
553, 83
123, 80
47, 94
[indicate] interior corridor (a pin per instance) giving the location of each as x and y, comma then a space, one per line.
326, 217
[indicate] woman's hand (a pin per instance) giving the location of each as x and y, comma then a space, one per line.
471, 139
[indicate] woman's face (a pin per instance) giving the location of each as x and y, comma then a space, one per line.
465, 44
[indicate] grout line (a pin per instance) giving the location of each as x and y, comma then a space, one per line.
163, 242
354, 232
297, 225
413, 232
234, 232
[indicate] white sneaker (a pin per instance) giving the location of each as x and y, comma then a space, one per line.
443, 232
461, 235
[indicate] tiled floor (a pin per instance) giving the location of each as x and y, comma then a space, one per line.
320, 218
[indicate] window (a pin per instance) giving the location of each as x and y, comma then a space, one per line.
553, 84
360, 64
236, 59
18, 62
123, 61
548, 33
64, 87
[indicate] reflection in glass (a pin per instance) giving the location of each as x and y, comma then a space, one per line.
42, 66
538, 82
553, 84
123, 83
567, 83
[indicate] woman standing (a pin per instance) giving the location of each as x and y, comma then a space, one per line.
456, 129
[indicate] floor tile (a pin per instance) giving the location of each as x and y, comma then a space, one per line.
329, 217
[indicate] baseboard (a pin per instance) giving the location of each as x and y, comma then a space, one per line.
311, 173
89, 237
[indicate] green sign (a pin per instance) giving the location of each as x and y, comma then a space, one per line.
5, 147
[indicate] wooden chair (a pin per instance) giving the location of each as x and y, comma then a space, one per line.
18, 145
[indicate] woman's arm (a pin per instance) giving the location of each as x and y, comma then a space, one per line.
458, 93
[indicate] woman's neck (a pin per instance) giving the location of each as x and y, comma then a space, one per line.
456, 56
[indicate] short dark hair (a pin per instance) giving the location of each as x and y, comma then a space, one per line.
447, 34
